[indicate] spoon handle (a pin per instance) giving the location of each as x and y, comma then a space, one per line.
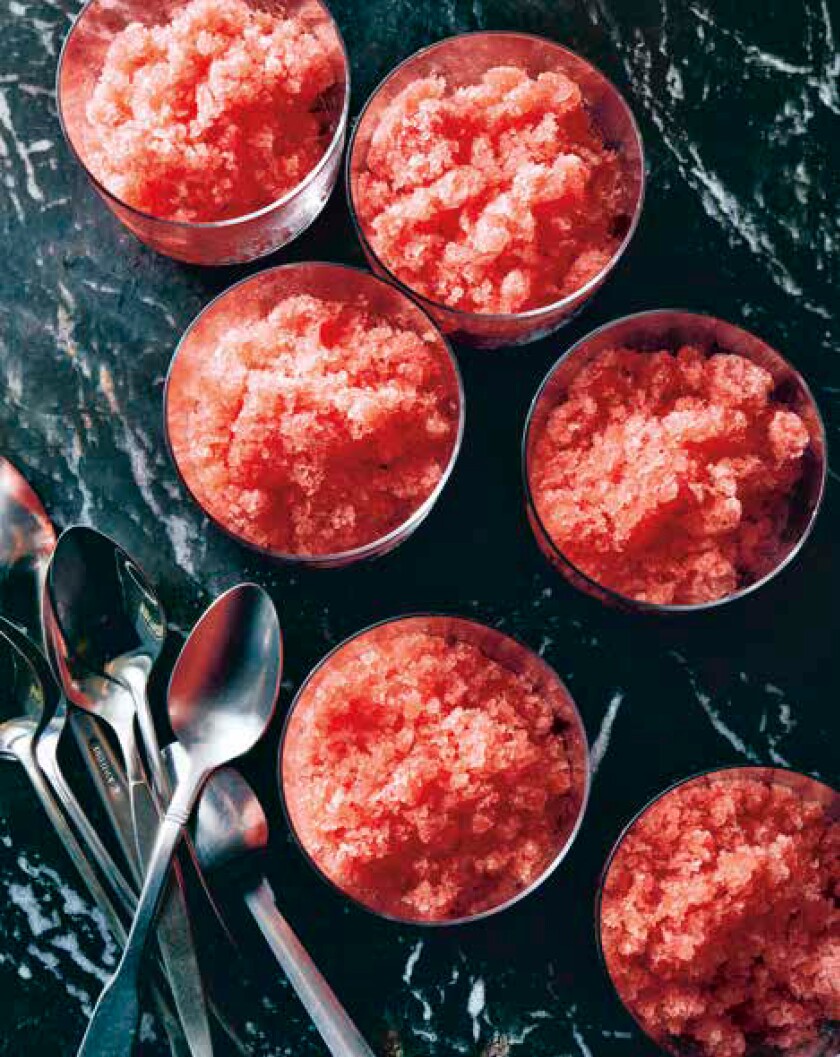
46, 748
137, 685
26, 756
342, 1037
107, 775
174, 931
110, 782
113, 1026
25, 752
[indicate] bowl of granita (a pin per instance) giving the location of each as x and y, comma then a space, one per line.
434, 770
213, 129
499, 177
315, 413
718, 916
672, 463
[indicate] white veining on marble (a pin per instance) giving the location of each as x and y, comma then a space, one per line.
411, 962
775, 724
30, 183
476, 1005
64, 936
408, 975
704, 700
745, 217
577, 1035
184, 540
602, 742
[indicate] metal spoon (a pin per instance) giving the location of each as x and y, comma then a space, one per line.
231, 831
111, 621
24, 696
25, 679
46, 747
26, 542
83, 636
27, 539
46, 709
221, 700
83, 639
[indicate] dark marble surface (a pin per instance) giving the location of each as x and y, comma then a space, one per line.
739, 106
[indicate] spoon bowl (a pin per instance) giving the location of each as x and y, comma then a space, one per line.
224, 685
28, 690
112, 626
26, 542
231, 825
231, 832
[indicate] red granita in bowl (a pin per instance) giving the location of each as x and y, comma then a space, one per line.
212, 129
214, 112
671, 474
719, 918
434, 769
497, 176
314, 412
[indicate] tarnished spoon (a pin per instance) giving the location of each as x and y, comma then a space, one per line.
230, 833
221, 699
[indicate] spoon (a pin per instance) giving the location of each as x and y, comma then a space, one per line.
221, 700
112, 624
25, 677
24, 695
45, 710
27, 539
84, 639
46, 746
26, 542
231, 831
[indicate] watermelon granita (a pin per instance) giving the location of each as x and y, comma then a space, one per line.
216, 112
426, 779
720, 923
499, 196
316, 427
668, 478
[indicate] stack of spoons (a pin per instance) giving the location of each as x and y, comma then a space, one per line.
103, 629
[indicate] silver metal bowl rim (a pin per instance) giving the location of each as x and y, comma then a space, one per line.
578, 296
755, 769
336, 145
518, 896
395, 536
625, 601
